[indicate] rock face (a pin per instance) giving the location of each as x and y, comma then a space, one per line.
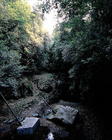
65, 114
46, 82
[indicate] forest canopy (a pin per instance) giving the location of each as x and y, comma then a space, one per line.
80, 46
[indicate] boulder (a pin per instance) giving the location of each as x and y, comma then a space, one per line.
45, 82
28, 126
65, 114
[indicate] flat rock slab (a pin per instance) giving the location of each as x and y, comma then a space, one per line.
29, 125
66, 114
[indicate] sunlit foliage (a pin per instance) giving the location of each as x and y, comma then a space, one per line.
20, 34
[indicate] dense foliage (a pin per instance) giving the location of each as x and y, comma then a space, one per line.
83, 44
81, 48
20, 36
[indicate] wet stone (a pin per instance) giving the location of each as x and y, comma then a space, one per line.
65, 114
29, 125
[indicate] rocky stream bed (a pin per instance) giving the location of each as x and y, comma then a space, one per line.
84, 127
71, 121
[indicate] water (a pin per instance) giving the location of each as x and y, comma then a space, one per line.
50, 136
